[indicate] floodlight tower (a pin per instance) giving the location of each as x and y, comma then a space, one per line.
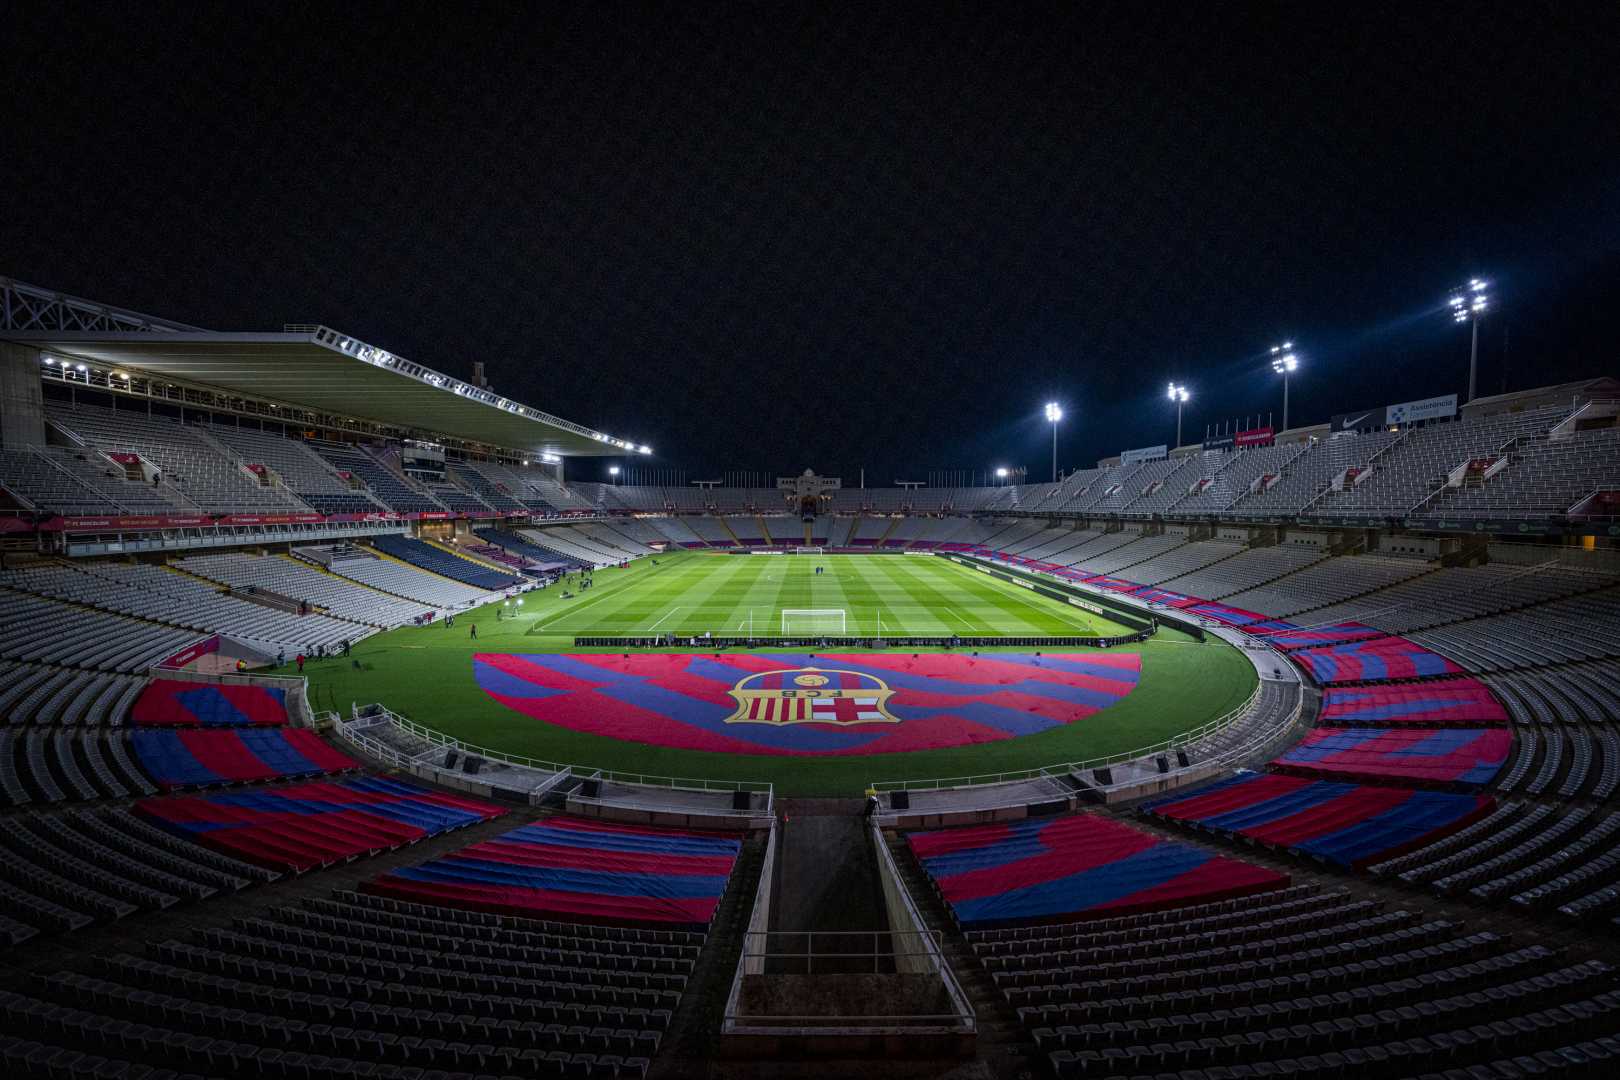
613, 471
1180, 395
1284, 361
1001, 475
1468, 304
1054, 413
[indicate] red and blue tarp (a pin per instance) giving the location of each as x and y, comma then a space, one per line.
302, 826
1402, 755
176, 702
1113, 584
1374, 661
786, 703
1305, 637
579, 870
1164, 596
1077, 867
1433, 703
196, 757
1224, 613
1352, 825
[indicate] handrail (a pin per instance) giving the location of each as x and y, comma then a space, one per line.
1186, 738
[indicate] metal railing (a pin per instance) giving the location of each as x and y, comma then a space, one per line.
1175, 742
438, 740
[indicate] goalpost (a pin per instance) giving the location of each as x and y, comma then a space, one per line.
811, 621
809, 551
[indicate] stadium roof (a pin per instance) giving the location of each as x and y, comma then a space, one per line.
314, 367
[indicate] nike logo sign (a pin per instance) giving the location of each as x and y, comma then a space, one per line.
1352, 423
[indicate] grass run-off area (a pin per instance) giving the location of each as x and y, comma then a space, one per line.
426, 673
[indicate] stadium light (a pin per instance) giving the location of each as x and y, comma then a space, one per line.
644, 450
613, 471
1001, 474
1284, 361
1054, 413
1469, 304
1180, 395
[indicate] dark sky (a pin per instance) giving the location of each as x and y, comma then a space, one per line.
839, 236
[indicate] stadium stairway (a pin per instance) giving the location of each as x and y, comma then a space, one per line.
721, 518
1003, 1044
694, 1027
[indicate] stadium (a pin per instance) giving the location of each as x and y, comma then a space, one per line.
806, 543
1199, 693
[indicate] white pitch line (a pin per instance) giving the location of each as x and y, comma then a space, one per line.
656, 625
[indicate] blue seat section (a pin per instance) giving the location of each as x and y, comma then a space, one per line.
443, 563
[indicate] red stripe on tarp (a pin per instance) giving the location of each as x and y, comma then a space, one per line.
222, 753
541, 903
1351, 808
1221, 878
1077, 850
1233, 797
317, 751
516, 853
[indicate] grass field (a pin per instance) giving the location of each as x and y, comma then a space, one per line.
894, 594
426, 673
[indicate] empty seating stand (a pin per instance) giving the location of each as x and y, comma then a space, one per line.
1081, 866
1350, 825
302, 826
362, 985
582, 870
203, 757
443, 563
1465, 757
167, 702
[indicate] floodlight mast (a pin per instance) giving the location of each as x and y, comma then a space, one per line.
1284, 361
1054, 413
1469, 304
1180, 395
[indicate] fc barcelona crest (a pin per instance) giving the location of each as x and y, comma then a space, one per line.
811, 696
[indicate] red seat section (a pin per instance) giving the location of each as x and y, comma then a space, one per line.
579, 870
308, 825
171, 702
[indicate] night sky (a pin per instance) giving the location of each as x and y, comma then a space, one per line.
844, 236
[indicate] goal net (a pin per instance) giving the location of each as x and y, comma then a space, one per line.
797, 621
808, 550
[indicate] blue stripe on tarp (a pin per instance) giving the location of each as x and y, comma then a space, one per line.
276, 753
539, 833
464, 871
211, 707
166, 759
1277, 807
1086, 889
1408, 707
1413, 819
1019, 842
1195, 793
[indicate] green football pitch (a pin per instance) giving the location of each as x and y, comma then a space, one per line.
868, 594
426, 673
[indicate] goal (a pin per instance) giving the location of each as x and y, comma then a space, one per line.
797, 621
809, 551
